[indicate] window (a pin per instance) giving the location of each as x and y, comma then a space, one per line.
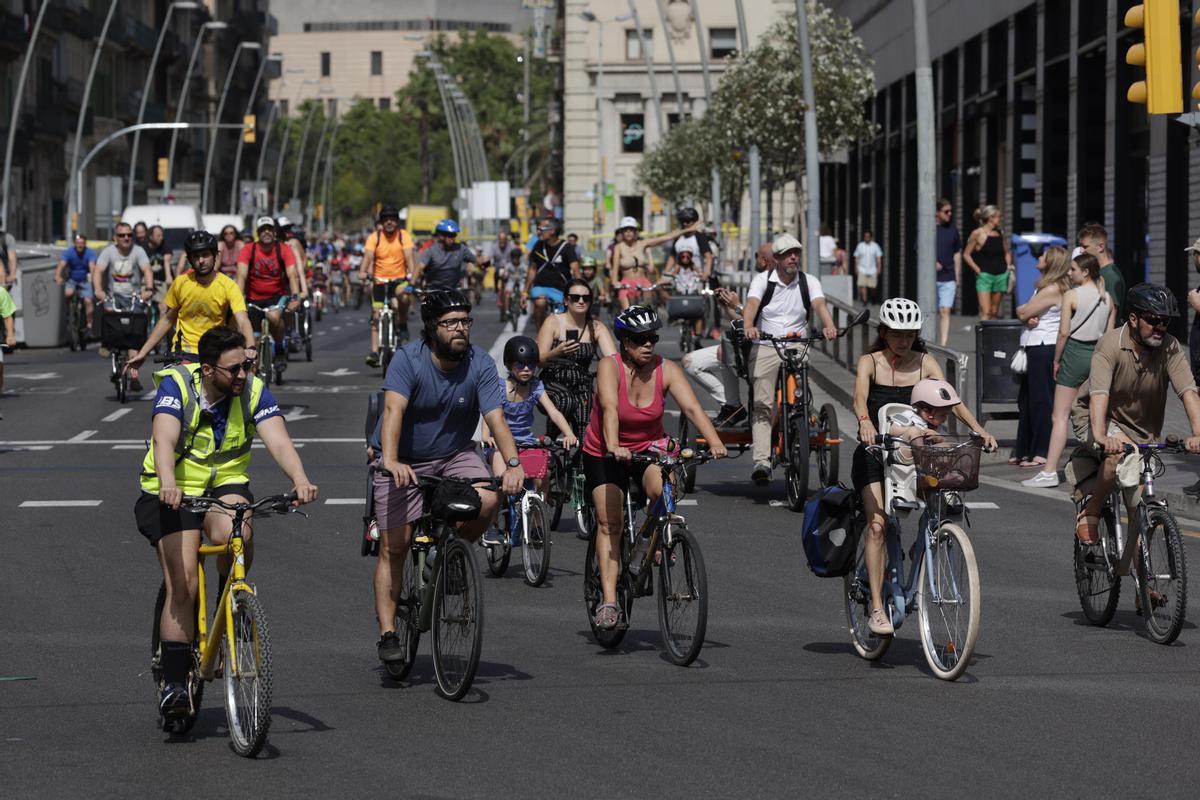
633, 46
385, 104
331, 107
633, 133
325, 65
283, 108
723, 42
376, 62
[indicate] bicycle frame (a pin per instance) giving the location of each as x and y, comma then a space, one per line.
223, 614
1127, 541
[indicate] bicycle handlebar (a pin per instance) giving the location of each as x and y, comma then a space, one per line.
275, 504
1172, 444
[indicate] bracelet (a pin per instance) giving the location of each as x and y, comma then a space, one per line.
864, 418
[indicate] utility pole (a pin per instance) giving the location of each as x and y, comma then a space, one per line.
812, 166
87, 93
754, 163
708, 93
926, 208
525, 118
15, 118
645, 46
662, 18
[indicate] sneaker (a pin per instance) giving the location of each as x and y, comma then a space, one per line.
373, 360
738, 416
723, 414
1043, 480
761, 474
492, 537
175, 702
389, 647
879, 623
135, 385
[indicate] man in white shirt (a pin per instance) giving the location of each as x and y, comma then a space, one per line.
776, 305
868, 263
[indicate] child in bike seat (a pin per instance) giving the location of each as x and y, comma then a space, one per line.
933, 402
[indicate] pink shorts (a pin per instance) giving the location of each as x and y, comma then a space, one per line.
634, 294
395, 507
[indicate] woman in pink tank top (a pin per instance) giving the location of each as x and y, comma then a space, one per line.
627, 418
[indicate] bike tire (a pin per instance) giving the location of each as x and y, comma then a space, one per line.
72, 327
828, 461
1162, 574
796, 470
856, 595
308, 349
593, 595
1096, 581
535, 544
408, 609
385, 358
685, 440
457, 620
498, 557
585, 521
123, 379
948, 638
248, 682
682, 597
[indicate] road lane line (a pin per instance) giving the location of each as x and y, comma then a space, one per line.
60, 503
27, 447
115, 443
691, 501
130, 446
983, 506
116, 415
345, 501
82, 436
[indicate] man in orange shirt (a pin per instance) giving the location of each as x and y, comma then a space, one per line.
386, 259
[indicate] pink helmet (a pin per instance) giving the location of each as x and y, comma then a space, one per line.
935, 393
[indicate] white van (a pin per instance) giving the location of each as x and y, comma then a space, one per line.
213, 223
177, 221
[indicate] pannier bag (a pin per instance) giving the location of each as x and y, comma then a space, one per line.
123, 330
455, 500
687, 306
830, 534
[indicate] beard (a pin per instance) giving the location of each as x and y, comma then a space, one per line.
454, 350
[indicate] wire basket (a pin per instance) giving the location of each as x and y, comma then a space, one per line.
947, 462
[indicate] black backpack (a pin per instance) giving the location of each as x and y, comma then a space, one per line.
770, 292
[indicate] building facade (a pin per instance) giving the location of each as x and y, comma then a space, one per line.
1030, 115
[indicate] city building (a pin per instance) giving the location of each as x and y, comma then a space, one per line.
1031, 115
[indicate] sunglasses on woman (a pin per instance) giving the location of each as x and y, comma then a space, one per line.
639, 339
579, 298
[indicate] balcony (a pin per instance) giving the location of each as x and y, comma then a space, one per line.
142, 37
12, 36
78, 19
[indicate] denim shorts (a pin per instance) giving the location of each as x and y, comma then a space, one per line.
945, 293
554, 296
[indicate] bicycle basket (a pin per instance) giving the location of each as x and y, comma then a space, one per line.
535, 461
947, 462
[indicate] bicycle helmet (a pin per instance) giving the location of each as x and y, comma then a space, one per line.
1149, 298
264, 222
934, 393
283, 223
636, 319
200, 242
628, 222
389, 211
439, 302
520, 349
447, 226
587, 261
687, 215
900, 314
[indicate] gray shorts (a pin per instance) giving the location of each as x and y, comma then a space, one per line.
396, 507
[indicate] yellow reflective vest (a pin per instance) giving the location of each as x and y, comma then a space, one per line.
199, 464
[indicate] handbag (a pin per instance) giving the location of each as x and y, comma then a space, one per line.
1020, 361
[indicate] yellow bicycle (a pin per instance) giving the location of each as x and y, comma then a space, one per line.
239, 637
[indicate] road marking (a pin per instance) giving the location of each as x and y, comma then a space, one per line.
35, 376
985, 506
340, 372
81, 437
296, 413
261, 446
129, 446
28, 447
687, 502
116, 415
60, 503
122, 443
345, 501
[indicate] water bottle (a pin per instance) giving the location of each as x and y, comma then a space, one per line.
640, 545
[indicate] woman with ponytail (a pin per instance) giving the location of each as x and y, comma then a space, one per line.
988, 255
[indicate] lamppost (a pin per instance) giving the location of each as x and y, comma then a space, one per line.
87, 93
312, 179
708, 93
183, 93
303, 146
287, 137
812, 166
328, 178
181, 5
212, 143
237, 158
645, 46
450, 118
15, 118
754, 168
601, 137
662, 17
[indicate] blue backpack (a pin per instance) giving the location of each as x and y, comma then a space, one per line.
831, 531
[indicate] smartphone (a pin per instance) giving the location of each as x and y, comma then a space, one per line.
572, 336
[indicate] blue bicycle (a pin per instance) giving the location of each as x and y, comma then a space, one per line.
525, 522
942, 583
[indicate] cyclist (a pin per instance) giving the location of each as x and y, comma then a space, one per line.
8, 310
627, 418
569, 342
508, 279
682, 271
630, 261
692, 239
121, 279
160, 255
713, 368
434, 391
231, 246
1124, 399
386, 259
440, 266
200, 299
594, 280
268, 277
205, 417
74, 274
552, 262
780, 302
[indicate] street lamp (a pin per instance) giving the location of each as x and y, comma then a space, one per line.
450, 118
313, 178
182, 5
87, 93
287, 137
753, 167
601, 138
183, 92
212, 145
658, 110
237, 158
304, 145
16, 113
708, 93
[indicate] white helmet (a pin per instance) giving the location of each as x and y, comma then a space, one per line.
900, 314
628, 222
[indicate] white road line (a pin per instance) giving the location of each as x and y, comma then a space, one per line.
116, 415
28, 447
982, 506
129, 446
345, 501
690, 501
81, 437
261, 446
60, 503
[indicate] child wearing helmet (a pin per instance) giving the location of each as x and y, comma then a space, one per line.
933, 401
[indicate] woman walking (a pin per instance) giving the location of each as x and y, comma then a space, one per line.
988, 254
1042, 317
568, 343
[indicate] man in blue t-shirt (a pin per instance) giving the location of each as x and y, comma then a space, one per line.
434, 391
949, 267
74, 274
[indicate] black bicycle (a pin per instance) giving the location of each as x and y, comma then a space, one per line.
77, 327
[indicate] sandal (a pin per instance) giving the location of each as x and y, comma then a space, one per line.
1029, 463
879, 623
606, 616
1086, 529
1014, 461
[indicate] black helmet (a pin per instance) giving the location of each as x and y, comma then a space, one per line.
200, 242
687, 215
1149, 298
440, 301
636, 319
388, 210
521, 349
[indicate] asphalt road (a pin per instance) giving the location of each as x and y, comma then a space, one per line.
777, 705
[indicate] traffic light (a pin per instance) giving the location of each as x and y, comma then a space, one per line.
162, 170
1162, 90
248, 126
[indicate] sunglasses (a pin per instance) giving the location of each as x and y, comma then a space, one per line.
245, 367
523, 365
124, 235
640, 339
462, 322
579, 298
1156, 322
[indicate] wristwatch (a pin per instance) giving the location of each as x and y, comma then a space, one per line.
513, 462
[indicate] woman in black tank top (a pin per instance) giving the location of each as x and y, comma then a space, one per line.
988, 255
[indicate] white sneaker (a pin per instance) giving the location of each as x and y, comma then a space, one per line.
1043, 480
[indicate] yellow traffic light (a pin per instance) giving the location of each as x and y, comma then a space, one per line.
162, 170
1160, 54
249, 123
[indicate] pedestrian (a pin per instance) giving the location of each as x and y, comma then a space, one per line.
988, 254
8, 310
868, 264
1041, 315
8, 259
827, 246
949, 267
1093, 238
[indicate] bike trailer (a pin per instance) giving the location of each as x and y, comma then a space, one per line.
687, 306
123, 330
830, 535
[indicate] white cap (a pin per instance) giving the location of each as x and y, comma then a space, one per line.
1076, 253
1195, 248
283, 222
264, 222
628, 222
783, 243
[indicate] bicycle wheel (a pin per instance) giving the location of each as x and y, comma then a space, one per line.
248, 676
682, 597
948, 602
1098, 584
457, 620
796, 470
266, 367
535, 545
1162, 576
123, 379
308, 349
72, 326
593, 596
498, 556
856, 594
408, 608
585, 521
827, 454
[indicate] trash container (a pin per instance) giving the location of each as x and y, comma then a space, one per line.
996, 342
40, 308
1027, 248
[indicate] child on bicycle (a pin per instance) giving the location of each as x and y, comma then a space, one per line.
933, 402
522, 393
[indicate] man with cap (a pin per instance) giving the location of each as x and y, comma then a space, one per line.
268, 278
781, 301
387, 260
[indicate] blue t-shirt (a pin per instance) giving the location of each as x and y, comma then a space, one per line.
443, 407
519, 413
170, 401
78, 263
